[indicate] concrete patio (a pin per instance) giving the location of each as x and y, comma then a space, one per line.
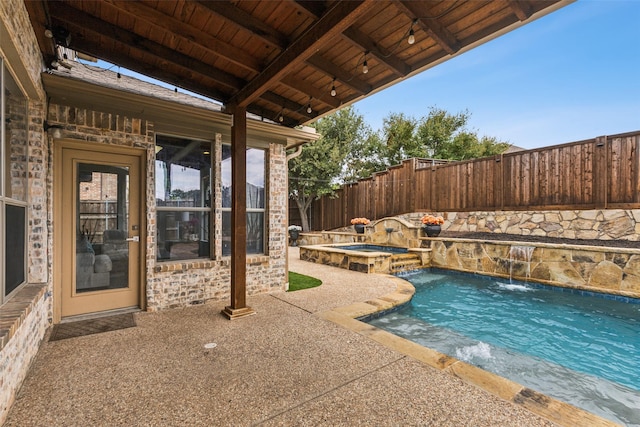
287, 366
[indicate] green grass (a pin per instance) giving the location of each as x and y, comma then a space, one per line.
300, 281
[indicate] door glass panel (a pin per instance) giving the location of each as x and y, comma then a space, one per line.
102, 218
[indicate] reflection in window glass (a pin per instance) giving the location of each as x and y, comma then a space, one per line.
102, 224
183, 198
256, 200
13, 185
15, 242
15, 140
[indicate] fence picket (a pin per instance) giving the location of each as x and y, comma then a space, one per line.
597, 173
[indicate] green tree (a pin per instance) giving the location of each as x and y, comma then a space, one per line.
317, 170
443, 135
365, 157
398, 133
439, 135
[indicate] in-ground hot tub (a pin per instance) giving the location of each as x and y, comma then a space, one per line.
367, 258
366, 247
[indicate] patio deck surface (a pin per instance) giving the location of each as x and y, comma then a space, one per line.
285, 366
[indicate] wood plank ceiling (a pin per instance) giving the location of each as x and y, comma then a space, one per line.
279, 59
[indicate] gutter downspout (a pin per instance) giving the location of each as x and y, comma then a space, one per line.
289, 157
293, 156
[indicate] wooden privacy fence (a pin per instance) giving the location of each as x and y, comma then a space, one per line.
598, 173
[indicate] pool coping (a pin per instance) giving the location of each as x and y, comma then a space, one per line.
561, 413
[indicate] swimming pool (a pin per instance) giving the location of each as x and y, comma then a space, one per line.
581, 349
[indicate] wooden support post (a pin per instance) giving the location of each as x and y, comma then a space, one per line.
238, 307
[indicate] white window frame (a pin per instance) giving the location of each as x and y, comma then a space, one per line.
263, 210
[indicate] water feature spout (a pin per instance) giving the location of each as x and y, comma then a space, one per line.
520, 254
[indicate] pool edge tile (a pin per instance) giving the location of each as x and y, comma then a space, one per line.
558, 412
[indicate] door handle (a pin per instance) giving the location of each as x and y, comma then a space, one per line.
133, 239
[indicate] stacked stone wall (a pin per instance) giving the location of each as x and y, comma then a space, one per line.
599, 224
609, 270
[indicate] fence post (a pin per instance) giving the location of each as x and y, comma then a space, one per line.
600, 172
500, 159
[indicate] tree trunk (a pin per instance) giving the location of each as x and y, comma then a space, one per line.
303, 207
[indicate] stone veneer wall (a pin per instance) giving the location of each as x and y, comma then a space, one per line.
601, 224
598, 269
594, 268
25, 317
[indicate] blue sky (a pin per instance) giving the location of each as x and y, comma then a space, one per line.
571, 75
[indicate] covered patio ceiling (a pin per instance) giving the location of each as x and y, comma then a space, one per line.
287, 61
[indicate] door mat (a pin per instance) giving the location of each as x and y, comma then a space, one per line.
92, 326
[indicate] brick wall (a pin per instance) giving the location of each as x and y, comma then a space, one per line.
26, 316
180, 284
40, 242
183, 283
21, 348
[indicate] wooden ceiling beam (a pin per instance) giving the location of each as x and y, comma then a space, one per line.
182, 80
185, 79
38, 13
344, 77
82, 21
188, 33
522, 9
294, 107
313, 9
443, 37
322, 95
116, 56
360, 39
246, 22
338, 18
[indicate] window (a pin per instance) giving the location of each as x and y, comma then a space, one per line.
256, 200
183, 198
13, 185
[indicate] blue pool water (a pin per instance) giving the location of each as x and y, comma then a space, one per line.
374, 248
584, 350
